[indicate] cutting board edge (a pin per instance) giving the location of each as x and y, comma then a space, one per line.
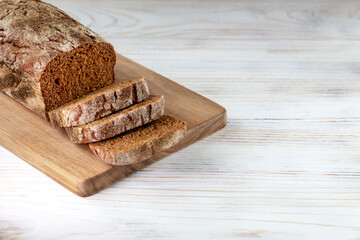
86, 187
7, 142
174, 83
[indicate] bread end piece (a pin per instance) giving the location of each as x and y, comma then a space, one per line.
141, 143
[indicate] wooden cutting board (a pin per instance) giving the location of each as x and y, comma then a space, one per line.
74, 166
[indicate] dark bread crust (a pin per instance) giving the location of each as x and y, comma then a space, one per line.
32, 34
9, 77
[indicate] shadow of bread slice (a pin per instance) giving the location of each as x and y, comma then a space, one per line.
137, 115
100, 103
140, 143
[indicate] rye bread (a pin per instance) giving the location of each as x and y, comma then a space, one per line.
119, 122
47, 58
100, 103
140, 143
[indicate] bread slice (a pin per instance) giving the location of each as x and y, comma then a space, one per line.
100, 103
119, 122
140, 143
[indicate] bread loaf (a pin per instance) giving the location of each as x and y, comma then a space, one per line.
100, 103
122, 121
140, 143
47, 58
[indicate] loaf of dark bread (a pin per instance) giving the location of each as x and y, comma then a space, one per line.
47, 58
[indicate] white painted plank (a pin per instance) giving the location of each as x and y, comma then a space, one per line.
287, 166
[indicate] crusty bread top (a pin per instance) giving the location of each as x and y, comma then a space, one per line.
41, 26
42, 54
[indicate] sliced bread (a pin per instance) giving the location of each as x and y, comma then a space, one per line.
140, 143
119, 122
100, 103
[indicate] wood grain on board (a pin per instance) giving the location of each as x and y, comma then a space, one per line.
74, 166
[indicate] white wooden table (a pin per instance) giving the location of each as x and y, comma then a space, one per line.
287, 166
